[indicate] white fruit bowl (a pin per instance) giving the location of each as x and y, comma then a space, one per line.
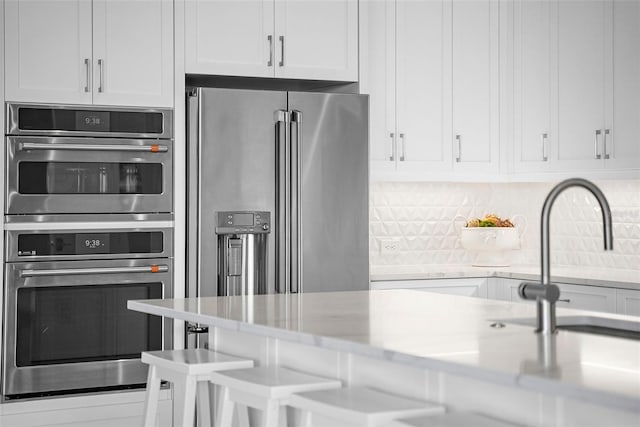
491, 243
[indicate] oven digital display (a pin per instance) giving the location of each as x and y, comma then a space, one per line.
92, 120
97, 243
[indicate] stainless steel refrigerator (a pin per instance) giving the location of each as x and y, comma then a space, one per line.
278, 192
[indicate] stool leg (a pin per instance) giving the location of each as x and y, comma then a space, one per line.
225, 410
151, 397
271, 413
203, 404
306, 418
184, 398
243, 415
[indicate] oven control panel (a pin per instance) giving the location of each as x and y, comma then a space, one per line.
53, 244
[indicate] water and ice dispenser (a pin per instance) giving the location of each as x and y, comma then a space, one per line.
242, 252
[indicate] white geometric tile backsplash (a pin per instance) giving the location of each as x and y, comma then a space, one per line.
420, 216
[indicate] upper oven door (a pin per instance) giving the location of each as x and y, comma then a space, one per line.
52, 175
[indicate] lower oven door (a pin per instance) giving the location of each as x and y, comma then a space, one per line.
68, 329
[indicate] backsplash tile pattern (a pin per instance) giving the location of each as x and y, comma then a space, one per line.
420, 217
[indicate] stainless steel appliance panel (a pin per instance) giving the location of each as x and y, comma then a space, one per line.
331, 196
235, 159
87, 120
128, 240
72, 175
301, 156
60, 367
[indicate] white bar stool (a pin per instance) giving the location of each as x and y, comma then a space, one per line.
266, 388
189, 372
452, 419
360, 406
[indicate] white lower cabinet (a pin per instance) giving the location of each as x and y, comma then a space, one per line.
592, 298
470, 287
579, 297
628, 302
124, 409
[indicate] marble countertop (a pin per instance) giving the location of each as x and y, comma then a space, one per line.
437, 332
627, 279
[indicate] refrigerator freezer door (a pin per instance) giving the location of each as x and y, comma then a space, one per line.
236, 163
330, 134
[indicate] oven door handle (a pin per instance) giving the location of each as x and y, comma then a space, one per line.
155, 268
153, 148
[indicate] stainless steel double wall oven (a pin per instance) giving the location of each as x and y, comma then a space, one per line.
88, 226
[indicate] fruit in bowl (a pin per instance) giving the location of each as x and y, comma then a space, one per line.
490, 220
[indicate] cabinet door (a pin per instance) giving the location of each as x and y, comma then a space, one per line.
531, 85
230, 37
377, 79
623, 144
317, 39
587, 298
423, 82
133, 52
471, 287
628, 302
48, 51
580, 83
475, 85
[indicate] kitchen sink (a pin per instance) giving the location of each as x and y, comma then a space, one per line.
589, 324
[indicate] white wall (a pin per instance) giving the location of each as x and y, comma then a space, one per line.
420, 216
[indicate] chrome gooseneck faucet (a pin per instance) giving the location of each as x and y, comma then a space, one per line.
545, 292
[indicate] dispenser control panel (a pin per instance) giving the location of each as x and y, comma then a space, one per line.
243, 222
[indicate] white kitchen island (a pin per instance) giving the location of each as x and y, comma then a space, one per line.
433, 347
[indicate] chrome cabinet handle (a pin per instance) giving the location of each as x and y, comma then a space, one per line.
568, 301
605, 150
88, 74
596, 153
403, 144
270, 39
154, 148
101, 71
105, 270
544, 147
281, 63
459, 148
392, 157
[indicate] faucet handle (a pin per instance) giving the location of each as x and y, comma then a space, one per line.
538, 291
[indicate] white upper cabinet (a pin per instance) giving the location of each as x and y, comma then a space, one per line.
623, 143
423, 86
48, 51
580, 83
378, 80
133, 52
532, 137
230, 37
111, 52
298, 39
576, 87
431, 70
405, 65
475, 85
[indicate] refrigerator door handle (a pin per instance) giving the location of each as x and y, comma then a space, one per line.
296, 203
283, 196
